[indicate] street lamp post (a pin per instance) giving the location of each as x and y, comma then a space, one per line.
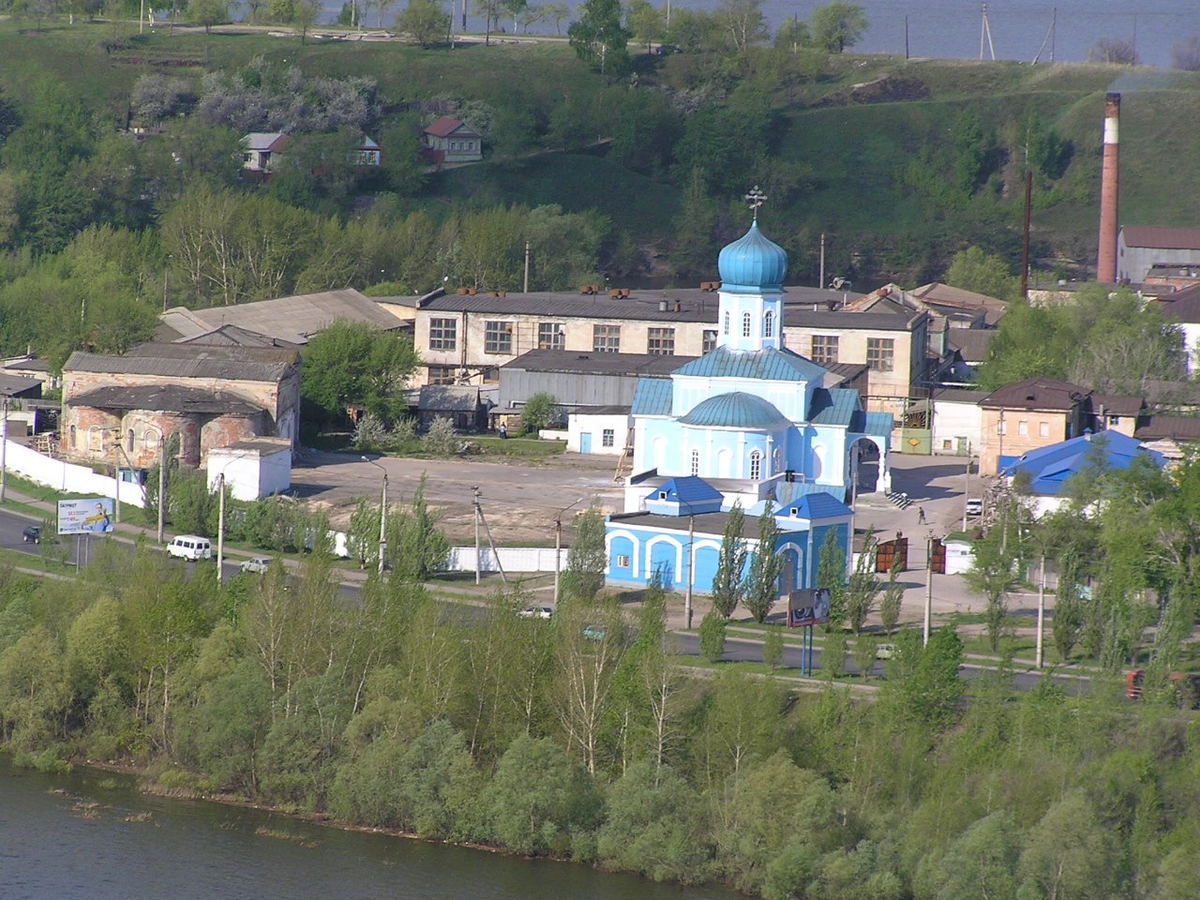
558, 547
382, 514
221, 526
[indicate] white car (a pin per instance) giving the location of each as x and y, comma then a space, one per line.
536, 612
257, 564
975, 507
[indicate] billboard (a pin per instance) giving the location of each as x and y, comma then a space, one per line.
808, 607
92, 515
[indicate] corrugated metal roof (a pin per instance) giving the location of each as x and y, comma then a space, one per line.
11, 385
763, 365
735, 410
833, 407
696, 305
1161, 238
597, 363
449, 398
292, 319
167, 398
190, 361
971, 343
1036, 393
447, 125
788, 492
653, 397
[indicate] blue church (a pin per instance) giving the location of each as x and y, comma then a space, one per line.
750, 423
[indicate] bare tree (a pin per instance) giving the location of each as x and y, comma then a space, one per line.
1186, 54
1114, 51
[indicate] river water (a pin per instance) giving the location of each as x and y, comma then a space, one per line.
951, 29
91, 835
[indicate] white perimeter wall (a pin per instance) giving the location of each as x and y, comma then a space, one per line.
513, 559
68, 477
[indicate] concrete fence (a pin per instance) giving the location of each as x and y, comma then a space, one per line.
513, 559
67, 477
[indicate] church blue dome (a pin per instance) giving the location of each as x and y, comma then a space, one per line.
752, 262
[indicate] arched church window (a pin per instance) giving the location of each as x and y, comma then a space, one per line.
755, 465
745, 324
769, 325
129, 441
695, 462
778, 459
727, 323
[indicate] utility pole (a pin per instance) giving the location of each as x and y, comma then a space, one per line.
162, 485
967, 492
821, 282
1025, 241
117, 475
557, 546
1038, 656
383, 524
528, 250
478, 559
687, 598
4, 452
928, 587
220, 527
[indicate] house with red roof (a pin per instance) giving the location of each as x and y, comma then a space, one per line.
451, 140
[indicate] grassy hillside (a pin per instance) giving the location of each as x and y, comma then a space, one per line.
853, 144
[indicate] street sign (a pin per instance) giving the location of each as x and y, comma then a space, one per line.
808, 607
91, 515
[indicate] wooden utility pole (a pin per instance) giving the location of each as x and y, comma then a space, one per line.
1025, 242
162, 485
220, 527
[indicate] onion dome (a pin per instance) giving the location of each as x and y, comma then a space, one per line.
736, 410
752, 263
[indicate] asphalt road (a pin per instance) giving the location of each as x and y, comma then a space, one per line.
12, 524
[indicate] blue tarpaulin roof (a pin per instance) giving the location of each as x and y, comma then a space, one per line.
1050, 467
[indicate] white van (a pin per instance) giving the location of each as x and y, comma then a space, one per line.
188, 546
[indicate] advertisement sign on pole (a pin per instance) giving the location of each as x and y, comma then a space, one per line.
808, 607
92, 515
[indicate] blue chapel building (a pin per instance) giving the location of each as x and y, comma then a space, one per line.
750, 422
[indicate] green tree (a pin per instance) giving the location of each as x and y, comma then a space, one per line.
729, 584
536, 795
975, 270
743, 22
995, 574
864, 653
353, 363
773, 646
208, 13
833, 653
893, 597
540, 411
599, 38
1070, 853
864, 585
838, 25
33, 690
831, 574
646, 22
587, 558
417, 545
762, 583
712, 636
925, 678
426, 20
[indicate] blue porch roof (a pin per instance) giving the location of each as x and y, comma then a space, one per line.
835, 406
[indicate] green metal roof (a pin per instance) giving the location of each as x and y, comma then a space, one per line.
878, 423
766, 365
652, 397
833, 407
736, 410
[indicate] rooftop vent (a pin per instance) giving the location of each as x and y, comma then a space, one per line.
710, 285
663, 305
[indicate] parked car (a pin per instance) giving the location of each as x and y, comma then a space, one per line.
595, 632
257, 564
975, 506
32, 534
189, 546
536, 612
885, 651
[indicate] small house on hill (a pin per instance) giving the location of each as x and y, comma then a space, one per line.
451, 140
259, 152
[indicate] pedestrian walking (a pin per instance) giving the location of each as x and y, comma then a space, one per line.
920, 515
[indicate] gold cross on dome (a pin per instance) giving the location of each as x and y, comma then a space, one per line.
756, 198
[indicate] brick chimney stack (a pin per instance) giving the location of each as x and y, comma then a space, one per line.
1106, 260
